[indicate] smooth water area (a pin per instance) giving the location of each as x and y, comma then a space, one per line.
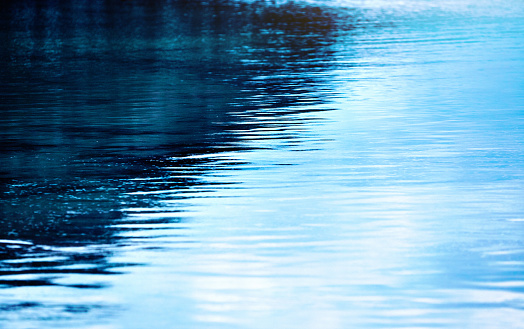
262, 164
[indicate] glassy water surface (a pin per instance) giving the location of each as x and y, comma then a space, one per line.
256, 164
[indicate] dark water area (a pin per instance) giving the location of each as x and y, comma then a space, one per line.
255, 164
91, 100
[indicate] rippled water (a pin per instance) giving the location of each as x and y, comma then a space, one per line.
258, 164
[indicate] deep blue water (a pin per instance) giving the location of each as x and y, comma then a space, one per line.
262, 164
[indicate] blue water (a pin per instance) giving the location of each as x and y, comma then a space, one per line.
262, 164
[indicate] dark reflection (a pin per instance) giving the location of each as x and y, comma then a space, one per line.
100, 92
37, 266
98, 96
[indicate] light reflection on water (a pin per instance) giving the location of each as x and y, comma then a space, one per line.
245, 164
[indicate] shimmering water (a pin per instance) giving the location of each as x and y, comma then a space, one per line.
262, 164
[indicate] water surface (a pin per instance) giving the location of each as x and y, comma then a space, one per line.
255, 164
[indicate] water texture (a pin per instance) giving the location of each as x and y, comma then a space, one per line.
262, 164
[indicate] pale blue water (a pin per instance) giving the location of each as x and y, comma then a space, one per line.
262, 164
